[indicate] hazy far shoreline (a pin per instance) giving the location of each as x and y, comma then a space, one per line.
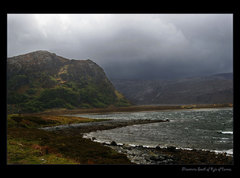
132, 109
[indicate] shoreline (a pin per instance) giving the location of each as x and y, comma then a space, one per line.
139, 154
83, 128
171, 155
113, 143
136, 108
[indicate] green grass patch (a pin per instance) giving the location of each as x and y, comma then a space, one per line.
33, 121
29, 151
26, 144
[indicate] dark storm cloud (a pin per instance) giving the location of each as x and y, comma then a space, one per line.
130, 46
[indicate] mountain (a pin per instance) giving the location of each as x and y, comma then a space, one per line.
214, 89
42, 80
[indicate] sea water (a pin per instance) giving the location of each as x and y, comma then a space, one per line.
205, 129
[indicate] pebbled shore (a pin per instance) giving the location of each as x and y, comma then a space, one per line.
170, 155
103, 125
144, 155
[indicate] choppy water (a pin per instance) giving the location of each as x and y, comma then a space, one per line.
208, 129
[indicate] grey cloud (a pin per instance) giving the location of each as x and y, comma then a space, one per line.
23, 34
131, 46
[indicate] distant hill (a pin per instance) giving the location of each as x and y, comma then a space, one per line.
214, 89
42, 80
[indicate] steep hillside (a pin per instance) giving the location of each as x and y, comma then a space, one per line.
214, 89
42, 80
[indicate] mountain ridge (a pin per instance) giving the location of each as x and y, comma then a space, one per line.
42, 80
212, 89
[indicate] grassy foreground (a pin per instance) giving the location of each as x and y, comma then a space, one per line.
26, 144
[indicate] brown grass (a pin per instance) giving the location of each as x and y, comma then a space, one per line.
130, 109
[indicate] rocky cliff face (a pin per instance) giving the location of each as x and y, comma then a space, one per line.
42, 80
214, 89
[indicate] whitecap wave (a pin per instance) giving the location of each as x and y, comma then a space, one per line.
132, 145
225, 138
228, 152
189, 149
226, 132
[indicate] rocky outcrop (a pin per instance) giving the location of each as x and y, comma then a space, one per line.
42, 80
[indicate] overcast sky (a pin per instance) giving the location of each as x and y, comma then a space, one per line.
130, 46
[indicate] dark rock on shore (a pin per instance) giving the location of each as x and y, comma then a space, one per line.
143, 155
171, 148
113, 143
171, 156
